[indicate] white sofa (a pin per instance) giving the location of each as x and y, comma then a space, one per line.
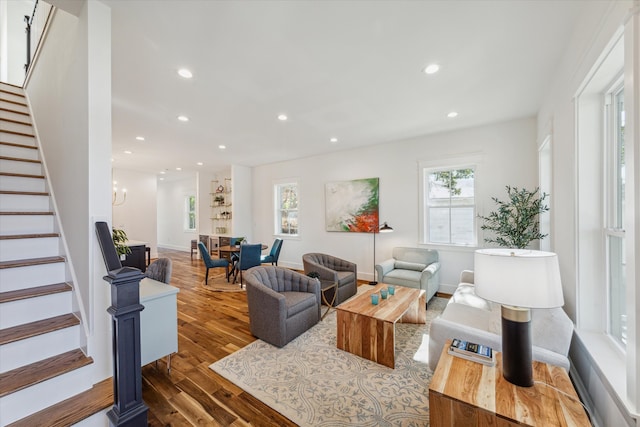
412, 267
471, 318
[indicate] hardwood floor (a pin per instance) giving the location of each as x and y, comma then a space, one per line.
211, 325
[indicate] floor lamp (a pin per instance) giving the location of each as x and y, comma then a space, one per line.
382, 228
519, 279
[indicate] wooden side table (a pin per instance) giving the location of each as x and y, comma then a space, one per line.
465, 393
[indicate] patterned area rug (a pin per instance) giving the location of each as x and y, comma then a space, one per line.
313, 383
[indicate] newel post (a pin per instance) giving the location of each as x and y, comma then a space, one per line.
128, 409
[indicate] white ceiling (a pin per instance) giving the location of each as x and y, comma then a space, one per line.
345, 69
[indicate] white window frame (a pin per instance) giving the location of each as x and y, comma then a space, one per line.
188, 211
277, 212
612, 229
471, 161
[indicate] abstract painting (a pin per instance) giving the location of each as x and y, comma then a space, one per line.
352, 206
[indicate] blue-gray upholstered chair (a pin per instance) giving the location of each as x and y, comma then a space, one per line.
274, 254
212, 263
282, 303
335, 269
249, 257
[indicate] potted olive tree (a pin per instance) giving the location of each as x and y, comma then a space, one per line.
515, 223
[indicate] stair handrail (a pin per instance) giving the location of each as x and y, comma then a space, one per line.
40, 31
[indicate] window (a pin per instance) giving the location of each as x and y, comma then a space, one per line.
190, 213
449, 205
614, 228
286, 209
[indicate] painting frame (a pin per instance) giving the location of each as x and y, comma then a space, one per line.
352, 206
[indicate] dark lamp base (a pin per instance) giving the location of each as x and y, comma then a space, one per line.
517, 353
373, 283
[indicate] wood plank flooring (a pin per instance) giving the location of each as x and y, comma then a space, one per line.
211, 325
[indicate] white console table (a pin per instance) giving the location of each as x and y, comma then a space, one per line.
158, 321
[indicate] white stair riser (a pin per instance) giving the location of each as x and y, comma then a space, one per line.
14, 116
15, 278
13, 107
18, 152
11, 88
32, 309
14, 96
24, 224
12, 166
13, 249
17, 139
16, 127
39, 396
30, 350
18, 183
21, 202
99, 419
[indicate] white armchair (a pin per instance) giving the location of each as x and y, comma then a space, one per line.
412, 267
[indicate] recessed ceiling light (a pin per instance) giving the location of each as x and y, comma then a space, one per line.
334, 140
185, 73
282, 117
161, 179
140, 138
163, 172
127, 152
178, 169
199, 163
452, 114
183, 118
431, 69
222, 147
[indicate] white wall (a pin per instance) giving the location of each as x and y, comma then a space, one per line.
171, 212
138, 215
509, 158
70, 95
13, 40
600, 22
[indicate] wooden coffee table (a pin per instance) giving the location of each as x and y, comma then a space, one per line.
368, 330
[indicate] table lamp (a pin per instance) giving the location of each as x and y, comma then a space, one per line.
518, 279
382, 228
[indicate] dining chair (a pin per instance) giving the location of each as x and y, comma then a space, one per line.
249, 257
212, 263
274, 254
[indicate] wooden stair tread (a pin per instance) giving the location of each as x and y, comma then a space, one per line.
13, 111
21, 175
39, 327
18, 122
14, 132
15, 144
14, 102
29, 236
34, 373
18, 159
25, 193
26, 213
73, 409
34, 292
31, 261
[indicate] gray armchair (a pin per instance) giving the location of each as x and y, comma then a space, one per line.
338, 270
282, 303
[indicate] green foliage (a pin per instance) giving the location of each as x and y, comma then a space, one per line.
449, 179
515, 222
120, 240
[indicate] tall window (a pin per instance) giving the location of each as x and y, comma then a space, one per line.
449, 212
614, 230
286, 209
190, 213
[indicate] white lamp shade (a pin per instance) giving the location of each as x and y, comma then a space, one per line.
518, 277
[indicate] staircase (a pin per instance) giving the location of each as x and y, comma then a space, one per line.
41, 362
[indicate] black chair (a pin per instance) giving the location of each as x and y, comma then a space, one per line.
274, 254
249, 257
212, 263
